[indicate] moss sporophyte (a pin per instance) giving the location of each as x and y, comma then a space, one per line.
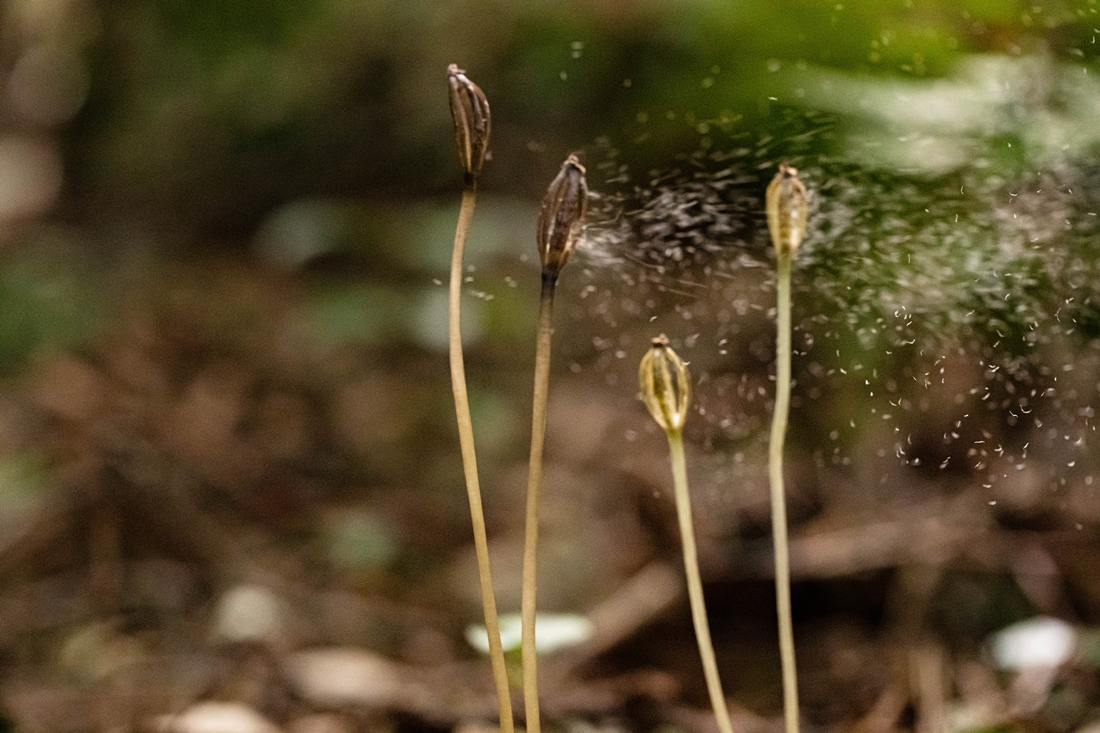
470, 109
787, 207
560, 226
561, 217
666, 390
666, 386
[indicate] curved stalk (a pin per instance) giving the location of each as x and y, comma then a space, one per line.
469, 462
534, 480
778, 495
695, 583
560, 224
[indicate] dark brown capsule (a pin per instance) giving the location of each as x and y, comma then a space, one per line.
561, 219
470, 109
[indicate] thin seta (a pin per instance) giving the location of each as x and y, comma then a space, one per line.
472, 123
560, 226
666, 390
787, 208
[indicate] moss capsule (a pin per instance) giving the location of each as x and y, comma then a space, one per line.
666, 385
561, 218
787, 210
470, 109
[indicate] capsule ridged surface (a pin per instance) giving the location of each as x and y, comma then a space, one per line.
472, 122
665, 384
787, 203
561, 218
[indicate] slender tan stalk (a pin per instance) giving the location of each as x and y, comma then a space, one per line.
695, 583
666, 390
471, 118
531, 526
779, 504
787, 210
561, 221
469, 466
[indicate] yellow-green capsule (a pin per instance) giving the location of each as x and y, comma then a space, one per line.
470, 109
561, 218
666, 385
787, 210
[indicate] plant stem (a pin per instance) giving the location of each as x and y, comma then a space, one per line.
534, 479
779, 505
695, 583
469, 463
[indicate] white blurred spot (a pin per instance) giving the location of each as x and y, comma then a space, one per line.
339, 676
1036, 642
553, 631
217, 717
248, 613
